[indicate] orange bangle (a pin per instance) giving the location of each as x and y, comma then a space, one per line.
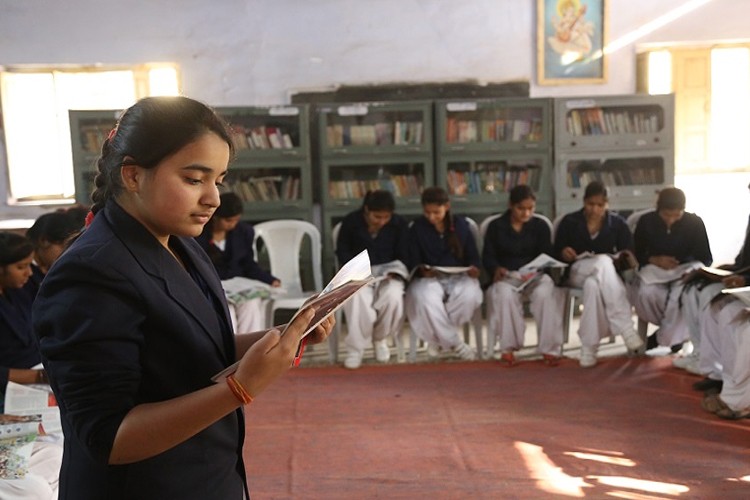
239, 392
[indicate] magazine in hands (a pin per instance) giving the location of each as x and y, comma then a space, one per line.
352, 276
653, 274
444, 270
528, 273
714, 274
741, 293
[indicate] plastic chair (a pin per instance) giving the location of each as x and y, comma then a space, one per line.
491, 339
476, 320
283, 238
632, 221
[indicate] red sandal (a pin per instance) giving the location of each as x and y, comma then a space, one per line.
508, 359
551, 359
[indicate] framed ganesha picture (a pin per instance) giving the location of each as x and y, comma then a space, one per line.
571, 36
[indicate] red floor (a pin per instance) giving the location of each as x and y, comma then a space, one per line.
628, 428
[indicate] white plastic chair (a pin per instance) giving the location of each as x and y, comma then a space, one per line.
491, 339
477, 321
283, 239
632, 221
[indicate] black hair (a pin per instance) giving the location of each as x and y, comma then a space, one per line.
53, 227
596, 188
231, 205
379, 200
670, 198
13, 248
520, 193
147, 133
438, 196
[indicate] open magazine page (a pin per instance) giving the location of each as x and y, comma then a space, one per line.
444, 270
741, 293
240, 289
542, 261
520, 280
17, 436
35, 399
354, 275
393, 267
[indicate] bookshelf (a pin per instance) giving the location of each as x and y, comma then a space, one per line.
88, 129
372, 145
271, 170
626, 142
485, 147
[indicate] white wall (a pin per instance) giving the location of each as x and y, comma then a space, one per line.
243, 52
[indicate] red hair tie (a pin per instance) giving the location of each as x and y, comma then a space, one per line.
111, 134
89, 219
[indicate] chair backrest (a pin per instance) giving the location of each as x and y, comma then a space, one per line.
335, 236
633, 218
283, 239
555, 225
474, 228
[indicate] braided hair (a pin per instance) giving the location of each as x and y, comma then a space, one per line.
439, 196
147, 133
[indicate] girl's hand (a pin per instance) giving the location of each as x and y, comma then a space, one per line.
322, 331
473, 272
500, 273
276, 283
427, 273
568, 254
664, 261
272, 355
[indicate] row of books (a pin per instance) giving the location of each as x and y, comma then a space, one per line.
380, 134
495, 130
262, 137
490, 179
399, 185
92, 136
270, 188
616, 177
596, 121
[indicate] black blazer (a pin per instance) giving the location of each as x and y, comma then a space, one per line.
121, 323
18, 347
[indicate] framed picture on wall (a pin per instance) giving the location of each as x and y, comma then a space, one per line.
571, 35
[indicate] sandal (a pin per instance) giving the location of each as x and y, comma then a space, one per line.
713, 404
551, 359
508, 359
730, 414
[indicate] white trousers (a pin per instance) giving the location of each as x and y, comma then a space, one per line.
659, 303
436, 307
735, 356
249, 316
374, 313
715, 321
694, 302
505, 314
41, 482
606, 309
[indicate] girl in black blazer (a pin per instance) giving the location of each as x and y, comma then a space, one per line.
132, 321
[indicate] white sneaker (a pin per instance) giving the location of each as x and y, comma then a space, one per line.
465, 351
433, 350
588, 357
633, 341
353, 360
382, 351
682, 362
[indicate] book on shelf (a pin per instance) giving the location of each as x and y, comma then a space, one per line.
598, 121
351, 278
260, 137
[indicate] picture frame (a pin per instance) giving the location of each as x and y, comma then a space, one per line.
571, 37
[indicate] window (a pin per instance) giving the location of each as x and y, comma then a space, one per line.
712, 104
35, 106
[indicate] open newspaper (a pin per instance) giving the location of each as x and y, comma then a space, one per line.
713, 274
240, 289
34, 399
531, 271
17, 436
352, 276
394, 267
652, 274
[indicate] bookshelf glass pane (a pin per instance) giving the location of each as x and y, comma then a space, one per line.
487, 177
378, 128
401, 179
615, 120
616, 171
494, 125
266, 184
93, 132
264, 132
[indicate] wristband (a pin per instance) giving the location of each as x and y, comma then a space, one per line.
239, 392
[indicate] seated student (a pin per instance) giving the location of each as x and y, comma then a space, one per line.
377, 311
513, 240
606, 309
229, 243
725, 358
668, 239
437, 304
698, 294
19, 351
49, 235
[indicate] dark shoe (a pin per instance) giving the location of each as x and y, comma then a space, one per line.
652, 342
676, 348
551, 359
708, 384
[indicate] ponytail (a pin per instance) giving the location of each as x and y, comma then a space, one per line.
439, 196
